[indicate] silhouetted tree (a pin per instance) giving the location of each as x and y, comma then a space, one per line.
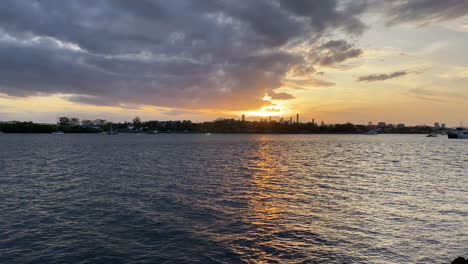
74, 121
86, 122
137, 122
99, 122
64, 121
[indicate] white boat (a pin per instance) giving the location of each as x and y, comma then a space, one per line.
371, 133
58, 133
459, 132
433, 135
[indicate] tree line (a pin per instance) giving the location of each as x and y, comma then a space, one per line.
75, 125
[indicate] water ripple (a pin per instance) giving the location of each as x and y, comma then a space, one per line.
232, 199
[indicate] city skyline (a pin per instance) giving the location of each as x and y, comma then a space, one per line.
336, 61
269, 119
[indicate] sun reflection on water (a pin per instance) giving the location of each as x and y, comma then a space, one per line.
264, 210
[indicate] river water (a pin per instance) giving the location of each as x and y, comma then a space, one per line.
232, 199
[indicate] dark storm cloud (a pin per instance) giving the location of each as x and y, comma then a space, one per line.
381, 77
322, 14
423, 11
188, 54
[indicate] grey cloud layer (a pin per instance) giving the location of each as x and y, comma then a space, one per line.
185, 53
424, 11
197, 54
381, 77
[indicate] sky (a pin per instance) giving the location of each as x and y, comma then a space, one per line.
359, 61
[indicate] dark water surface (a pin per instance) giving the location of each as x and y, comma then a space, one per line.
232, 199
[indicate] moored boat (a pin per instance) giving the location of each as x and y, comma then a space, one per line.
111, 131
459, 132
371, 133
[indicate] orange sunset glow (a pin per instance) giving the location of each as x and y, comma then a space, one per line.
367, 67
233, 131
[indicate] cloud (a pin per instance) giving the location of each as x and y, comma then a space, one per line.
334, 52
306, 84
186, 54
281, 96
381, 77
423, 12
434, 94
463, 28
101, 101
179, 112
189, 54
454, 72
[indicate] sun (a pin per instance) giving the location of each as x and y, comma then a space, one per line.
270, 110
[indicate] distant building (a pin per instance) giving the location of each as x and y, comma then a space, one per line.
90, 126
269, 119
243, 118
443, 126
401, 126
297, 118
281, 120
381, 124
436, 125
9, 122
290, 120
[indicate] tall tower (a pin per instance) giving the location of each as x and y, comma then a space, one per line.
269, 119
297, 118
290, 120
243, 118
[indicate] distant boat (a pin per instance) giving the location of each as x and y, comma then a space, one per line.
111, 132
371, 133
433, 135
459, 132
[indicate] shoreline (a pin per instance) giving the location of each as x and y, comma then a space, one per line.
209, 133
